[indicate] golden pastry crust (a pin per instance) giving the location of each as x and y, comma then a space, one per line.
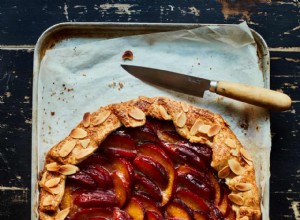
198, 125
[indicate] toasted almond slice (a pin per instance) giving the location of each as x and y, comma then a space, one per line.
52, 166
61, 215
47, 188
234, 152
101, 117
224, 172
181, 119
84, 143
195, 128
204, 129
68, 169
56, 190
235, 166
84, 153
52, 182
163, 112
243, 187
78, 133
246, 156
184, 106
137, 114
230, 143
47, 200
214, 130
235, 198
244, 218
86, 119
66, 148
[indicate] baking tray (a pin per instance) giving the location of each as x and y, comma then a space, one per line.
59, 32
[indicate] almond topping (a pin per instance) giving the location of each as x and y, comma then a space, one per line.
204, 129
52, 182
61, 215
84, 143
181, 119
66, 148
195, 128
68, 169
163, 112
235, 166
84, 153
86, 119
184, 106
101, 118
230, 143
214, 130
46, 188
235, 198
47, 200
243, 187
52, 166
234, 152
224, 172
245, 218
57, 190
78, 133
245, 155
137, 114
146, 99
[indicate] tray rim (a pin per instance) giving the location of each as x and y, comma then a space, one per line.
62, 31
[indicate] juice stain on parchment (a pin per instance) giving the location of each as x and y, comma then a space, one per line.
239, 7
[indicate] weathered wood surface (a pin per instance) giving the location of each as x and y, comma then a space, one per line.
22, 22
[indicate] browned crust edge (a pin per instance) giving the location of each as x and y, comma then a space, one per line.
198, 125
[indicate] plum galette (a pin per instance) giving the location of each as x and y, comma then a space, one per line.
152, 159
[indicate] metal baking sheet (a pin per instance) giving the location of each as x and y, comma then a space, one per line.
77, 33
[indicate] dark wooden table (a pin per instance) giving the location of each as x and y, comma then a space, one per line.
22, 22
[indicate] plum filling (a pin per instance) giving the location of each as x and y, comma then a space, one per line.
151, 173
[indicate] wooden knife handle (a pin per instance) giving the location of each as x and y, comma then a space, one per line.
262, 97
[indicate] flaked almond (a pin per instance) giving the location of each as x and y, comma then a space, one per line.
68, 169
224, 172
244, 218
52, 167
86, 119
66, 148
52, 182
84, 153
137, 114
243, 187
163, 112
101, 117
214, 130
204, 129
85, 143
49, 190
230, 143
61, 215
245, 155
181, 119
235, 167
195, 128
57, 190
184, 106
78, 133
47, 200
236, 199
234, 152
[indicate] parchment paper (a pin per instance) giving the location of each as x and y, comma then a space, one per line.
80, 75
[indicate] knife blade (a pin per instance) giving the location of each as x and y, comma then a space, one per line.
196, 86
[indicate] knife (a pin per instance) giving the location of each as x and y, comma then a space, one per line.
191, 85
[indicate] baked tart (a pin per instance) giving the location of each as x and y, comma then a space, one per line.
153, 159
